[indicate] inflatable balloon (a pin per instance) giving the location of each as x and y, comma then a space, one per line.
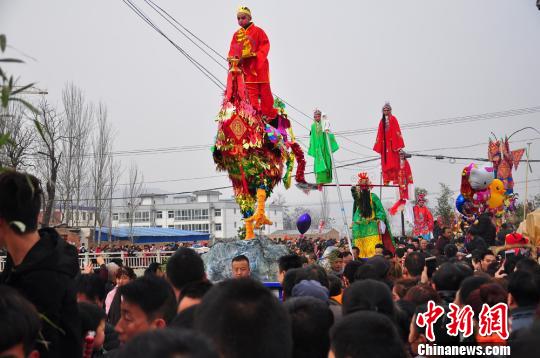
303, 223
460, 200
481, 177
475, 179
497, 194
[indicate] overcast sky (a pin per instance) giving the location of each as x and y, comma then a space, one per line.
432, 59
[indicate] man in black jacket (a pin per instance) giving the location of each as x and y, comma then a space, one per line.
40, 265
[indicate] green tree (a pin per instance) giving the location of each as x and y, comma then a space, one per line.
445, 207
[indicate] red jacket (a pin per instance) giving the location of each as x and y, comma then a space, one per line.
252, 45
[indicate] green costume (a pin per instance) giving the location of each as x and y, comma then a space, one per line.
318, 149
366, 230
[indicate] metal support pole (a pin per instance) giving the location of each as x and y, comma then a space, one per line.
402, 223
526, 182
343, 214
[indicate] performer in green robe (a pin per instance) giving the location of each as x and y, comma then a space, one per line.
318, 149
370, 224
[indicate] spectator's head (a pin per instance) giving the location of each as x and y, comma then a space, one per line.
414, 265
486, 259
368, 295
19, 325
147, 303
168, 343
20, 202
154, 269
184, 266
286, 263
522, 290
450, 251
311, 320
401, 287
92, 320
527, 264
291, 278
379, 249
244, 319
447, 233
421, 294
467, 286
192, 294
310, 288
489, 294
380, 266
240, 267
356, 252
450, 275
424, 244
335, 286
124, 275
335, 258
365, 334
91, 289
350, 270
112, 269
347, 257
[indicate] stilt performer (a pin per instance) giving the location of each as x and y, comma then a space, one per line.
250, 46
251, 150
370, 223
390, 145
319, 150
423, 220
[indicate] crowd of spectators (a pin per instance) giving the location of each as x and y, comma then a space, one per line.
333, 304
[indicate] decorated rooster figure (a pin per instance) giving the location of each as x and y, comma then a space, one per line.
256, 153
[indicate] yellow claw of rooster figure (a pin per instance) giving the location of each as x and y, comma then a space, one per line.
259, 218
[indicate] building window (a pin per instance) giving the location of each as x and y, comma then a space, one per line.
171, 226
201, 228
235, 223
142, 216
158, 226
275, 212
182, 215
204, 214
114, 216
217, 227
235, 213
159, 214
170, 214
217, 212
90, 216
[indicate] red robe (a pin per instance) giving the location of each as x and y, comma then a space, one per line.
423, 221
388, 144
252, 46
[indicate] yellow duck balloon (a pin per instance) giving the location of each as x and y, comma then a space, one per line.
497, 197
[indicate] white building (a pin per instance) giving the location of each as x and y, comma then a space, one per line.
201, 211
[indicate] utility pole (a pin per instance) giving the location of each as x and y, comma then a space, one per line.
525, 204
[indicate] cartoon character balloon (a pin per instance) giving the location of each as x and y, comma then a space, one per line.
498, 196
476, 179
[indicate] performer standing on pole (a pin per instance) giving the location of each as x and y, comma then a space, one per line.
395, 167
389, 144
370, 223
319, 150
250, 45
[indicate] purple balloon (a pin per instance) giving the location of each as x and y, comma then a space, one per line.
303, 223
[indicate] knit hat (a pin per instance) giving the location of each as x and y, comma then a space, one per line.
310, 288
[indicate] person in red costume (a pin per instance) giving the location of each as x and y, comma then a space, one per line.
389, 145
423, 220
250, 45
